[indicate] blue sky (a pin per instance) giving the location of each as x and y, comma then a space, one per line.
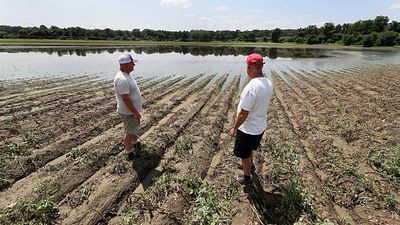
192, 14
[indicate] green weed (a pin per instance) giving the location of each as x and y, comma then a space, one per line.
32, 140
74, 153
388, 166
11, 149
120, 167
390, 201
295, 200
77, 155
352, 130
209, 208
39, 209
283, 152
183, 145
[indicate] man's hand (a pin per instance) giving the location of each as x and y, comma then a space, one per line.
233, 132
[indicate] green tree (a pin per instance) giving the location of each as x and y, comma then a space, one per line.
387, 38
380, 23
276, 35
369, 39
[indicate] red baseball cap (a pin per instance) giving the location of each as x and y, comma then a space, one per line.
254, 59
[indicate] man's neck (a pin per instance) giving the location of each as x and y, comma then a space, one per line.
255, 76
124, 72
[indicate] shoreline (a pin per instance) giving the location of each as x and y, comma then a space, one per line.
45, 43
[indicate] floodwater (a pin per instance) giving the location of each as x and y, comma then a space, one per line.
27, 62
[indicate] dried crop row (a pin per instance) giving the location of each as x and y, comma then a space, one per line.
24, 165
20, 97
56, 118
161, 86
13, 88
369, 123
73, 169
284, 172
20, 136
377, 110
190, 161
347, 188
361, 82
220, 177
37, 102
115, 180
374, 115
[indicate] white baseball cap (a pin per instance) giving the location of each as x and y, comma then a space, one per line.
125, 58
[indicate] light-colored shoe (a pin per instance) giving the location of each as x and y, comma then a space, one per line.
240, 178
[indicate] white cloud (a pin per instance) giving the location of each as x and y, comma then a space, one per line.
222, 8
189, 15
272, 24
256, 11
205, 19
395, 7
176, 3
319, 24
231, 22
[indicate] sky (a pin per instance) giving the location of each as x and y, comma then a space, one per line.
175, 15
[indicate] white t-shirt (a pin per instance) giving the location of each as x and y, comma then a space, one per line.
255, 98
125, 84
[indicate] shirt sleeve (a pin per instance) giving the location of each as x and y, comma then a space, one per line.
248, 100
122, 87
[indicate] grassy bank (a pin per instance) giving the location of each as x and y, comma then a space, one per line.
51, 42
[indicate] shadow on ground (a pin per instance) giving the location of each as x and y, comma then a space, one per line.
272, 207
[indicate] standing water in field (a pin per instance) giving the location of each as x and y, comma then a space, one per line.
33, 62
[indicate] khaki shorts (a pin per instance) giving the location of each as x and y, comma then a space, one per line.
131, 125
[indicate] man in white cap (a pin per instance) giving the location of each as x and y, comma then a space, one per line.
129, 103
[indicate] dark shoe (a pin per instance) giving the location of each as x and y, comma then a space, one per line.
138, 145
242, 180
253, 168
132, 155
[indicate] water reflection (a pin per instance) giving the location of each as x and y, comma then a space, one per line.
271, 53
60, 61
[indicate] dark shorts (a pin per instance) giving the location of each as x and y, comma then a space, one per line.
245, 143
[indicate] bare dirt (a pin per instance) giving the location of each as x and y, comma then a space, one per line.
331, 152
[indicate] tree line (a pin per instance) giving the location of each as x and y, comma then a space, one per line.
377, 32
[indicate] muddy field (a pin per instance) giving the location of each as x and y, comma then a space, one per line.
331, 153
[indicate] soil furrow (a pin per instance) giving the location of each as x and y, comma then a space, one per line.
195, 162
12, 90
302, 113
158, 141
23, 166
13, 99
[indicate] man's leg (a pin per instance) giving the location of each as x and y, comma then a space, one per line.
128, 140
246, 164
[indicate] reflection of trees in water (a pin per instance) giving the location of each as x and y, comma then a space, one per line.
271, 53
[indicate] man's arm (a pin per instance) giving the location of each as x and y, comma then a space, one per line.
242, 116
128, 102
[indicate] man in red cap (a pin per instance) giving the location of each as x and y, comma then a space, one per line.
251, 120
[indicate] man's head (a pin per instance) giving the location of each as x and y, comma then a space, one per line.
126, 63
255, 63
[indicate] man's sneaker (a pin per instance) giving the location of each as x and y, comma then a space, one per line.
242, 180
138, 145
132, 155
253, 168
